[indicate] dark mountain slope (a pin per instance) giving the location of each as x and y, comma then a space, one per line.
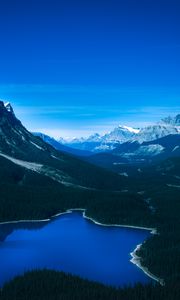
37, 181
20, 146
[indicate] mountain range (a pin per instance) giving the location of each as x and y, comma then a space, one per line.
125, 144
121, 134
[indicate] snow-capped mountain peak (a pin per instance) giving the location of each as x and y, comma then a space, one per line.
96, 137
8, 106
122, 134
154, 132
130, 129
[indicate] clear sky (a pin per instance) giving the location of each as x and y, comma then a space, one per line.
73, 67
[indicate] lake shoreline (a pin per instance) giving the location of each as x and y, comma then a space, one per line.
153, 230
135, 258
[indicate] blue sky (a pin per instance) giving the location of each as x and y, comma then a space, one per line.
71, 68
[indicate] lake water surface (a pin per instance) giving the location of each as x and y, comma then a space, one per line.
72, 244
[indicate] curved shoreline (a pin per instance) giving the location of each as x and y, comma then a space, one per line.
153, 230
135, 258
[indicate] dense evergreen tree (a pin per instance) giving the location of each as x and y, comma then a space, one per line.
52, 285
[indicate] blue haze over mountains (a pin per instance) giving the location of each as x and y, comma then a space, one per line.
127, 144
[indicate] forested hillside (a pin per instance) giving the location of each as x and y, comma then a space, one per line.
51, 285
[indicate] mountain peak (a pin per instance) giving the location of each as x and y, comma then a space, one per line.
95, 137
9, 108
128, 128
6, 107
175, 121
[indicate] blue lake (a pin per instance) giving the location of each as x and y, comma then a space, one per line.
71, 244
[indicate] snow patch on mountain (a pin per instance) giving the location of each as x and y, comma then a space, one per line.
175, 148
8, 107
150, 150
131, 129
38, 147
154, 132
28, 165
96, 137
124, 174
142, 151
44, 170
104, 147
120, 134
173, 185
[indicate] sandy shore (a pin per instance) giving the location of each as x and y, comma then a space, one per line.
135, 258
